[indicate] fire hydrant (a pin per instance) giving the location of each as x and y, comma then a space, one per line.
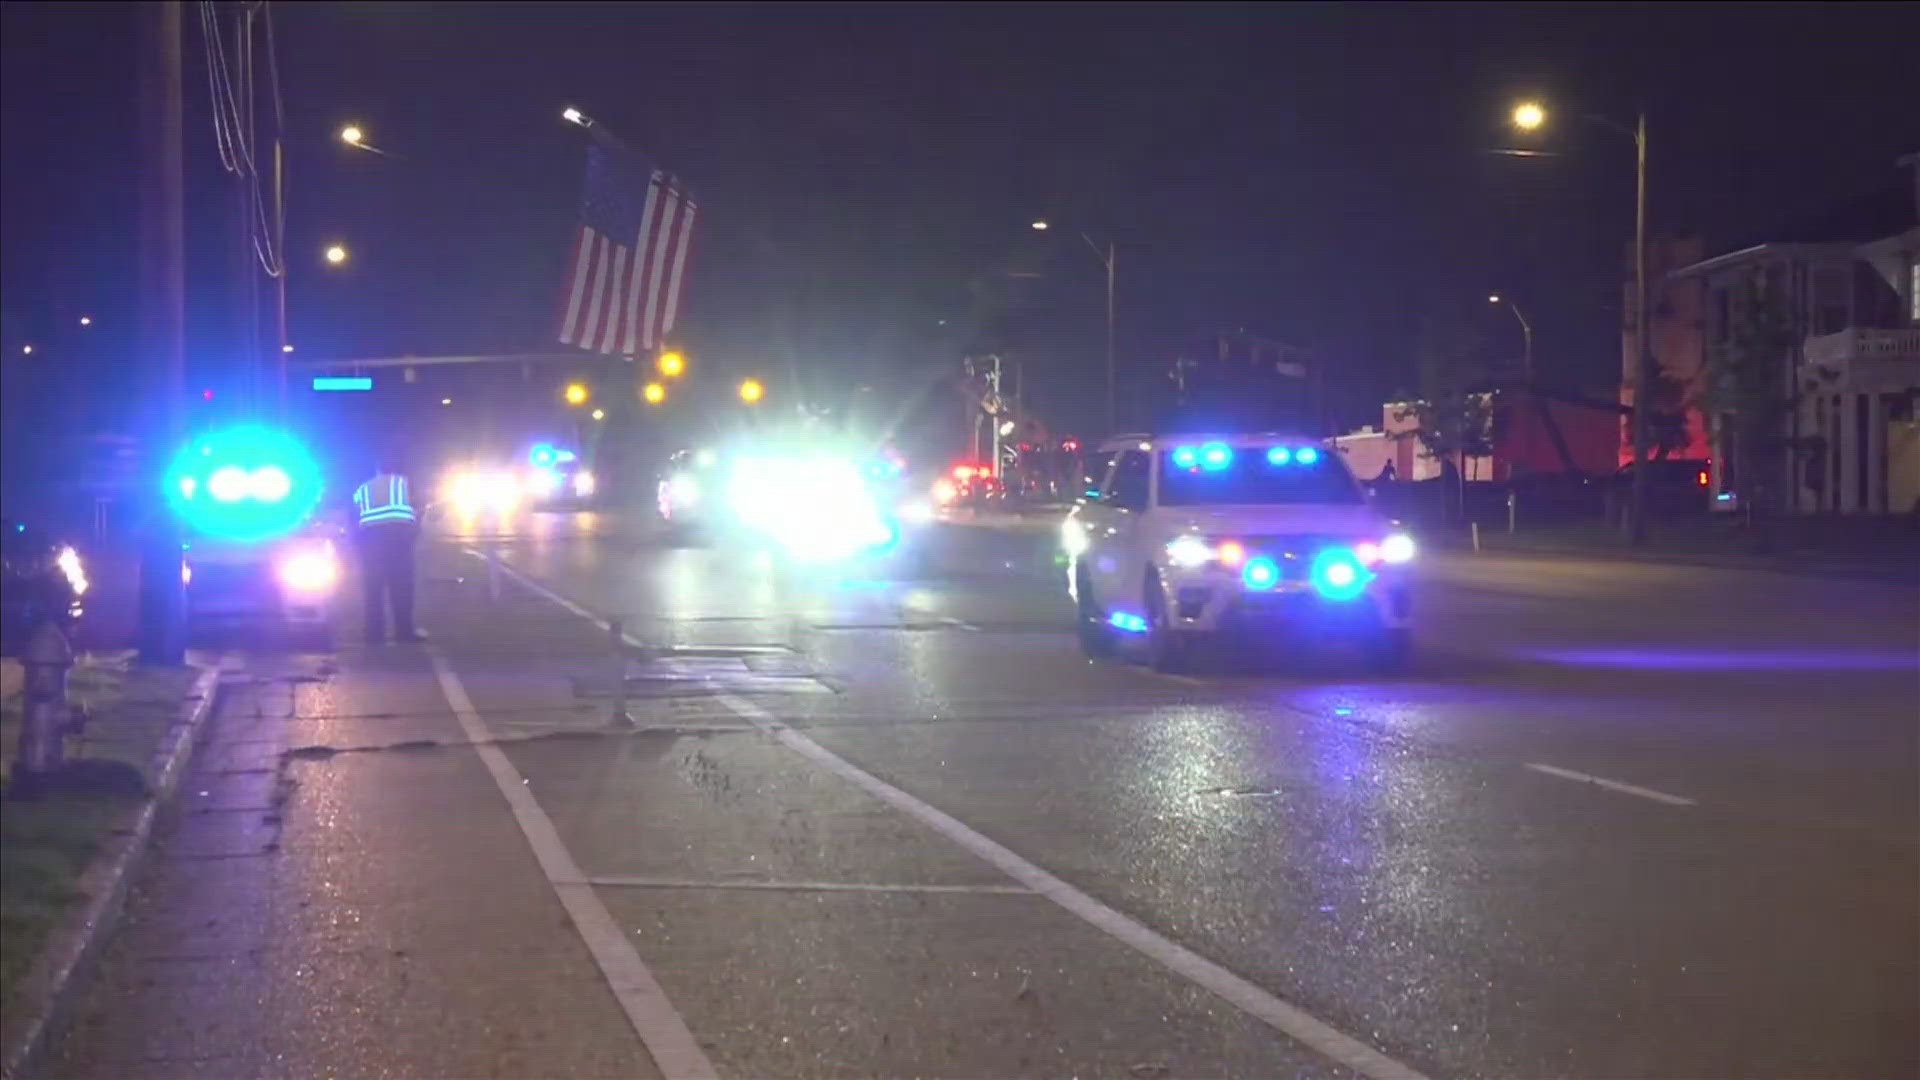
46, 719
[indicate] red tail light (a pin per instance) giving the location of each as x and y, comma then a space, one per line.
1702, 478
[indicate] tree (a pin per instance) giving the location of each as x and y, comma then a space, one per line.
1746, 391
1453, 409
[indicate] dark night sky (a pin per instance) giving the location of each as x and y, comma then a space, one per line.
1312, 172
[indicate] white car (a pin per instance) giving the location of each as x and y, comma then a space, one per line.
1194, 536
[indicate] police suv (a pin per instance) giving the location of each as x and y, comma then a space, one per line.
1196, 537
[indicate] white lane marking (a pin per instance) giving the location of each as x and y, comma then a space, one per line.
1290, 1020
653, 1017
625, 881
1611, 785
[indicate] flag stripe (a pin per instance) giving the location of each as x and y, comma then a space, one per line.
611, 333
659, 204
670, 313
636, 281
576, 284
597, 291
662, 247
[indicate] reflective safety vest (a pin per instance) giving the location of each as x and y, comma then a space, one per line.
383, 500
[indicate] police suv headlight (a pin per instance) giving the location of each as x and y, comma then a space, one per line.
1189, 552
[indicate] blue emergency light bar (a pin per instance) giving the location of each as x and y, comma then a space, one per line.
343, 382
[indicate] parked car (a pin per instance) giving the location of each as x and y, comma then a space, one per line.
1676, 487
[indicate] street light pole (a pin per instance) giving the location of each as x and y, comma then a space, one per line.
1643, 353
1107, 256
1526, 334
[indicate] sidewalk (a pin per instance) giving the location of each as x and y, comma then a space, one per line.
1895, 563
65, 856
343, 891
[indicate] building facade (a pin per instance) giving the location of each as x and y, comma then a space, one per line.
1849, 284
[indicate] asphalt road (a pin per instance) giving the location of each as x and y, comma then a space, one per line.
1622, 819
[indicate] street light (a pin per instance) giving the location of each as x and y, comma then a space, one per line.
1526, 332
1531, 115
599, 414
751, 391
286, 348
654, 393
573, 116
352, 135
1106, 258
576, 394
672, 365
26, 350
86, 320
336, 254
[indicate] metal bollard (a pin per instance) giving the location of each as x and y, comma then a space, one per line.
1476, 537
46, 717
493, 572
1512, 502
620, 717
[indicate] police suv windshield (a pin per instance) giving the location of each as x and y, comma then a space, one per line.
1254, 476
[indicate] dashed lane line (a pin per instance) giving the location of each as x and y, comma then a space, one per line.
1292, 1021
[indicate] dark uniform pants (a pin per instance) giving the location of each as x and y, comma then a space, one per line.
386, 574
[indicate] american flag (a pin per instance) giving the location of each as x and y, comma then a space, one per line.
623, 280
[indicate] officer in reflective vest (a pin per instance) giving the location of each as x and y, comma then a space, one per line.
388, 527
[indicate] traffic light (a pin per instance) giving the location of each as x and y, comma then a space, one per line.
672, 364
576, 393
654, 393
751, 391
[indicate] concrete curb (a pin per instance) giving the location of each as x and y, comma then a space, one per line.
1777, 564
46, 991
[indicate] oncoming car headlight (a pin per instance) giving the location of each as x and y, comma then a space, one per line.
309, 569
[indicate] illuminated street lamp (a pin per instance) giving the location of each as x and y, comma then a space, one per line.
672, 365
1106, 257
599, 414
654, 393
576, 394
1526, 332
286, 348
86, 320
1530, 116
352, 135
751, 391
573, 116
336, 254
26, 350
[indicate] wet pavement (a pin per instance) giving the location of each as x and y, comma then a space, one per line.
1622, 819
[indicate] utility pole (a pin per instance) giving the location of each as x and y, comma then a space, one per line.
1112, 421
162, 307
1644, 368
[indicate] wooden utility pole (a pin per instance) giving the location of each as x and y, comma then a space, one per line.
162, 308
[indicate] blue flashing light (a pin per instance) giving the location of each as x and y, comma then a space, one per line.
1725, 496
1128, 621
1306, 455
1338, 574
1279, 455
1186, 457
565, 456
543, 454
343, 382
1260, 573
1215, 456
259, 483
